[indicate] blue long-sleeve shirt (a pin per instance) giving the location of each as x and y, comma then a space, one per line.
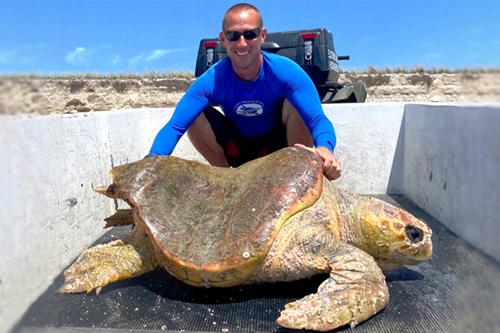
250, 105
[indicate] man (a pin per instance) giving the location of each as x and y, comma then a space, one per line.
268, 101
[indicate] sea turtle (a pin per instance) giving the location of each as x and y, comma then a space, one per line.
272, 219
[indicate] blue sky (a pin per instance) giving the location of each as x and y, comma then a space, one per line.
110, 36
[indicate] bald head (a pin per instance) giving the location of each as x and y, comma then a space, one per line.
240, 8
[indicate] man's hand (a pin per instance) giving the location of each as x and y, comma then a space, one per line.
331, 167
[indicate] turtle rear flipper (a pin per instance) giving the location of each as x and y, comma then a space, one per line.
121, 217
355, 291
107, 263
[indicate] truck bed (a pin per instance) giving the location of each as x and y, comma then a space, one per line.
456, 291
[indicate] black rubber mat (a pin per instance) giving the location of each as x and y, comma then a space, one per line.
456, 291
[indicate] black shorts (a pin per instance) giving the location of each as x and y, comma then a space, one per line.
240, 149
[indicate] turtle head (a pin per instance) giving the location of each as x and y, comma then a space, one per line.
393, 236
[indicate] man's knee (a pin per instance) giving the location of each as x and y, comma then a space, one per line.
287, 111
296, 129
203, 138
198, 125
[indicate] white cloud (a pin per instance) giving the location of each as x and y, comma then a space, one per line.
23, 54
136, 59
432, 55
35, 46
77, 56
426, 44
7, 56
155, 55
371, 39
15, 57
115, 60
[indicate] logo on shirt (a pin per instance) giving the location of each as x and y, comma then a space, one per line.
249, 108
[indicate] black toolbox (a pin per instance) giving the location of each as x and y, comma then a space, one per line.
312, 49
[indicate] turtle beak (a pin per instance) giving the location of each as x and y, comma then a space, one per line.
106, 190
100, 189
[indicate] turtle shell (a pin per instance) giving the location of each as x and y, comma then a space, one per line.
213, 226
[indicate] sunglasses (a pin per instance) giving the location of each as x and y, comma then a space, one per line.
233, 36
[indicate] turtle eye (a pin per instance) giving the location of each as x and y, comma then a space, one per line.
414, 234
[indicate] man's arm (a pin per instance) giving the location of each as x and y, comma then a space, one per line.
303, 95
188, 108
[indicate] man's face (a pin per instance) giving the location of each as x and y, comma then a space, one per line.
244, 53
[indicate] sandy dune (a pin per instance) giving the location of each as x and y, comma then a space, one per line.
83, 93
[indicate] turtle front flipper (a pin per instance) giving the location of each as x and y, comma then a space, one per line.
355, 291
107, 263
